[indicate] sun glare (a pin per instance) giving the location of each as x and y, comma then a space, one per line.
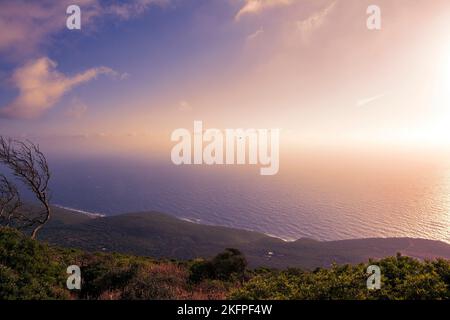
439, 131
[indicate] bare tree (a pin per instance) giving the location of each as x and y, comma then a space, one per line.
9, 201
29, 165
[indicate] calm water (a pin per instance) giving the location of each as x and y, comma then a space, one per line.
310, 197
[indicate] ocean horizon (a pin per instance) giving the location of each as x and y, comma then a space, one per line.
313, 200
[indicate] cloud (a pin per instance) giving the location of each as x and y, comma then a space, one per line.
257, 6
131, 9
366, 101
41, 86
24, 25
124, 76
255, 35
307, 26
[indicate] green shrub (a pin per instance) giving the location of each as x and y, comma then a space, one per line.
28, 269
201, 270
229, 263
402, 278
227, 266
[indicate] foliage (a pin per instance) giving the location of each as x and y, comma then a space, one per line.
28, 269
403, 278
33, 270
227, 266
159, 281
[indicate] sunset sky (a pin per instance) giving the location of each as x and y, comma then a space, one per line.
138, 70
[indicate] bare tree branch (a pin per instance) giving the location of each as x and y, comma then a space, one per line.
29, 165
9, 201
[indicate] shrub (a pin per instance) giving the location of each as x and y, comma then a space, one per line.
201, 270
227, 266
28, 269
156, 282
105, 273
229, 263
402, 278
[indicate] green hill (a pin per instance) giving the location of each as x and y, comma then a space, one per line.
163, 236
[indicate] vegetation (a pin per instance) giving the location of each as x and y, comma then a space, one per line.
33, 270
227, 266
402, 278
30, 269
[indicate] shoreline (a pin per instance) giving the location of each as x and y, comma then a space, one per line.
200, 222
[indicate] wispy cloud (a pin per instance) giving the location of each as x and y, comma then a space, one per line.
307, 26
24, 25
255, 35
367, 101
41, 86
131, 9
257, 6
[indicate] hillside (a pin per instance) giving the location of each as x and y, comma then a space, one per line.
30, 269
163, 236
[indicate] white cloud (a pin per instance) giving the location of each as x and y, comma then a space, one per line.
255, 35
41, 86
257, 6
307, 26
131, 9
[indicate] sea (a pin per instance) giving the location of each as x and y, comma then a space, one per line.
315, 195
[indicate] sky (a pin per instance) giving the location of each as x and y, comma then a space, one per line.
137, 70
